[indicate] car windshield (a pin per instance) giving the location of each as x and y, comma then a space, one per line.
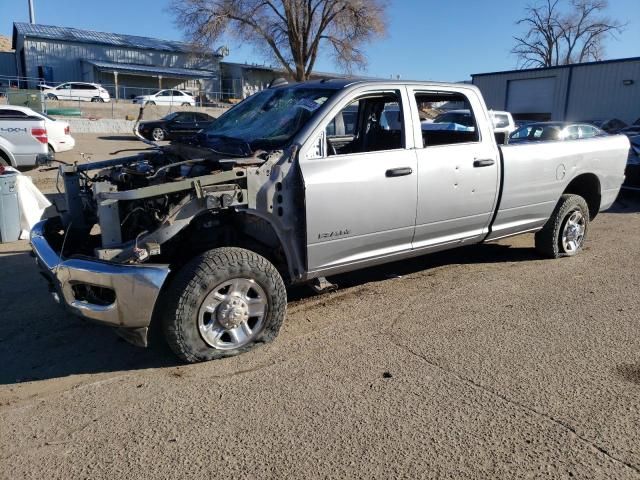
270, 118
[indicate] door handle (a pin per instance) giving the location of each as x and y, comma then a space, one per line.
487, 162
399, 172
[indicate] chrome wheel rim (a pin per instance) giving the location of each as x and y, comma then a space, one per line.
573, 232
232, 314
158, 134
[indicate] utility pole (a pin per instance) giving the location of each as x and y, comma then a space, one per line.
32, 17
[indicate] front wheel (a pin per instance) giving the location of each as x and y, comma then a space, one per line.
158, 134
565, 232
51, 96
223, 303
150, 103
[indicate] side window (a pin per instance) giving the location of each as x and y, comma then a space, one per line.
64, 86
446, 119
572, 133
165, 93
184, 118
370, 124
177, 93
500, 120
8, 112
203, 117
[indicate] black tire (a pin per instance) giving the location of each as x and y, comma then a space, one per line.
196, 281
186, 104
51, 96
549, 240
150, 103
4, 160
158, 134
52, 152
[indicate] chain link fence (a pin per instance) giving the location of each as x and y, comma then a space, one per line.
65, 103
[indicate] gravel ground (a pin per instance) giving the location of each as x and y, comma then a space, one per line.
483, 362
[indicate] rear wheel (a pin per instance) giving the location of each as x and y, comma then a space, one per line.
223, 303
52, 152
565, 232
151, 103
186, 104
51, 96
4, 160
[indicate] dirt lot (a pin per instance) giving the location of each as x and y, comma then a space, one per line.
485, 362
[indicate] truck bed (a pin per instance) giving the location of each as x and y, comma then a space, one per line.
535, 174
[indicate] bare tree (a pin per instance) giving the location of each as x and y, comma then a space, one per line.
291, 31
561, 36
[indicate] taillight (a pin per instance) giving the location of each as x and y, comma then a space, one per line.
67, 130
40, 134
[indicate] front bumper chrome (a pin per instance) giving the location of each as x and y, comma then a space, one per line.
135, 287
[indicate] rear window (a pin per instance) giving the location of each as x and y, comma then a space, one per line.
500, 120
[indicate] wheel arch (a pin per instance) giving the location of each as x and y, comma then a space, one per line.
587, 185
7, 157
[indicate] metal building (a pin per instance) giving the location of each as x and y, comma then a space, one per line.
584, 91
119, 62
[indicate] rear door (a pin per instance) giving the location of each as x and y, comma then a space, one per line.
360, 183
458, 171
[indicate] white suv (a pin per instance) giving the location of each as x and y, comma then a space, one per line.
167, 97
86, 92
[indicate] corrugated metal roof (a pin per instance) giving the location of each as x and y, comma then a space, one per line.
101, 38
152, 70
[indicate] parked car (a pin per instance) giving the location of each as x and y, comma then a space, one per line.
630, 131
547, 131
208, 234
23, 139
85, 92
453, 119
58, 131
610, 125
166, 97
175, 125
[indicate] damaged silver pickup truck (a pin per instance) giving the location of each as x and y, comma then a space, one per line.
297, 183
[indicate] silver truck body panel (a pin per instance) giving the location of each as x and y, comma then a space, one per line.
136, 287
536, 174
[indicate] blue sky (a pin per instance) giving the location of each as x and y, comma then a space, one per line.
427, 39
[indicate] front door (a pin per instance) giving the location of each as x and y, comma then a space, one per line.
458, 168
183, 125
360, 188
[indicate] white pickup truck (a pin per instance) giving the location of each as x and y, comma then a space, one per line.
23, 140
297, 183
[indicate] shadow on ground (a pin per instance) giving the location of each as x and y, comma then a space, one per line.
39, 340
119, 138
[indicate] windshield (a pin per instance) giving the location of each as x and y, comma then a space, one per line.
270, 118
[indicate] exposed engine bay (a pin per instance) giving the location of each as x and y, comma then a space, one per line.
131, 209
